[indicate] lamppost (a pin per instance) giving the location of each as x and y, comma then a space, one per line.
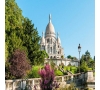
79, 50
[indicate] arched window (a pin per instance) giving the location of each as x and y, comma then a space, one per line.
48, 40
58, 52
51, 57
58, 46
51, 49
48, 48
51, 40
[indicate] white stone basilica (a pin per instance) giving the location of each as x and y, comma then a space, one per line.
51, 43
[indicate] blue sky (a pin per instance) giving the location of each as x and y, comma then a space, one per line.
73, 19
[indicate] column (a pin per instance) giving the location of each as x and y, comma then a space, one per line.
32, 83
7, 86
13, 85
62, 79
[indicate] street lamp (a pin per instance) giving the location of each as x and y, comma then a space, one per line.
79, 50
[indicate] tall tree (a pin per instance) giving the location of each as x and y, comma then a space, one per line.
21, 34
13, 25
31, 40
86, 58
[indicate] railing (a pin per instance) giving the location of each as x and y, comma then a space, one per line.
20, 84
30, 83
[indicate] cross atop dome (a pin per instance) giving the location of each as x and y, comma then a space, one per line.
49, 17
42, 34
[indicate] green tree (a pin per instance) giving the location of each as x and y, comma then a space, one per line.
41, 55
84, 67
31, 42
13, 25
69, 56
87, 58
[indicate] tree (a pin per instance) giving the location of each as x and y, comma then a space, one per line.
88, 60
41, 55
20, 33
69, 56
84, 67
94, 58
13, 27
31, 42
19, 65
87, 56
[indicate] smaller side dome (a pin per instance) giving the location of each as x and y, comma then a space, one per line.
58, 39
42, 39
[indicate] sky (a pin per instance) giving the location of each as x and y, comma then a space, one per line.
73, 19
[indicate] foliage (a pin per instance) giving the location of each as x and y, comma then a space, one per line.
41, 55
58, 73
73, 69
19, 65
70, 57
89, 62
31, 40
34, 72
84, 67
47, 78
20, 33
13, 25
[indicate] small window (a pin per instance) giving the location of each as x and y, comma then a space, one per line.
58, 52
58, 46
51, 41
47, 40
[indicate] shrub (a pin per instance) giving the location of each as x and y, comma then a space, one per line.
19, 65
73, 69
64, 68
34, 72
68, 68
89, 68
58, 73
47, 78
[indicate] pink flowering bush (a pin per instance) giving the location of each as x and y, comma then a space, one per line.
47, 78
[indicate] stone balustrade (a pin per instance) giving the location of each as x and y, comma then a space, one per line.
17, 84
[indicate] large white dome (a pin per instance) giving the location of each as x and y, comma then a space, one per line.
50, 31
